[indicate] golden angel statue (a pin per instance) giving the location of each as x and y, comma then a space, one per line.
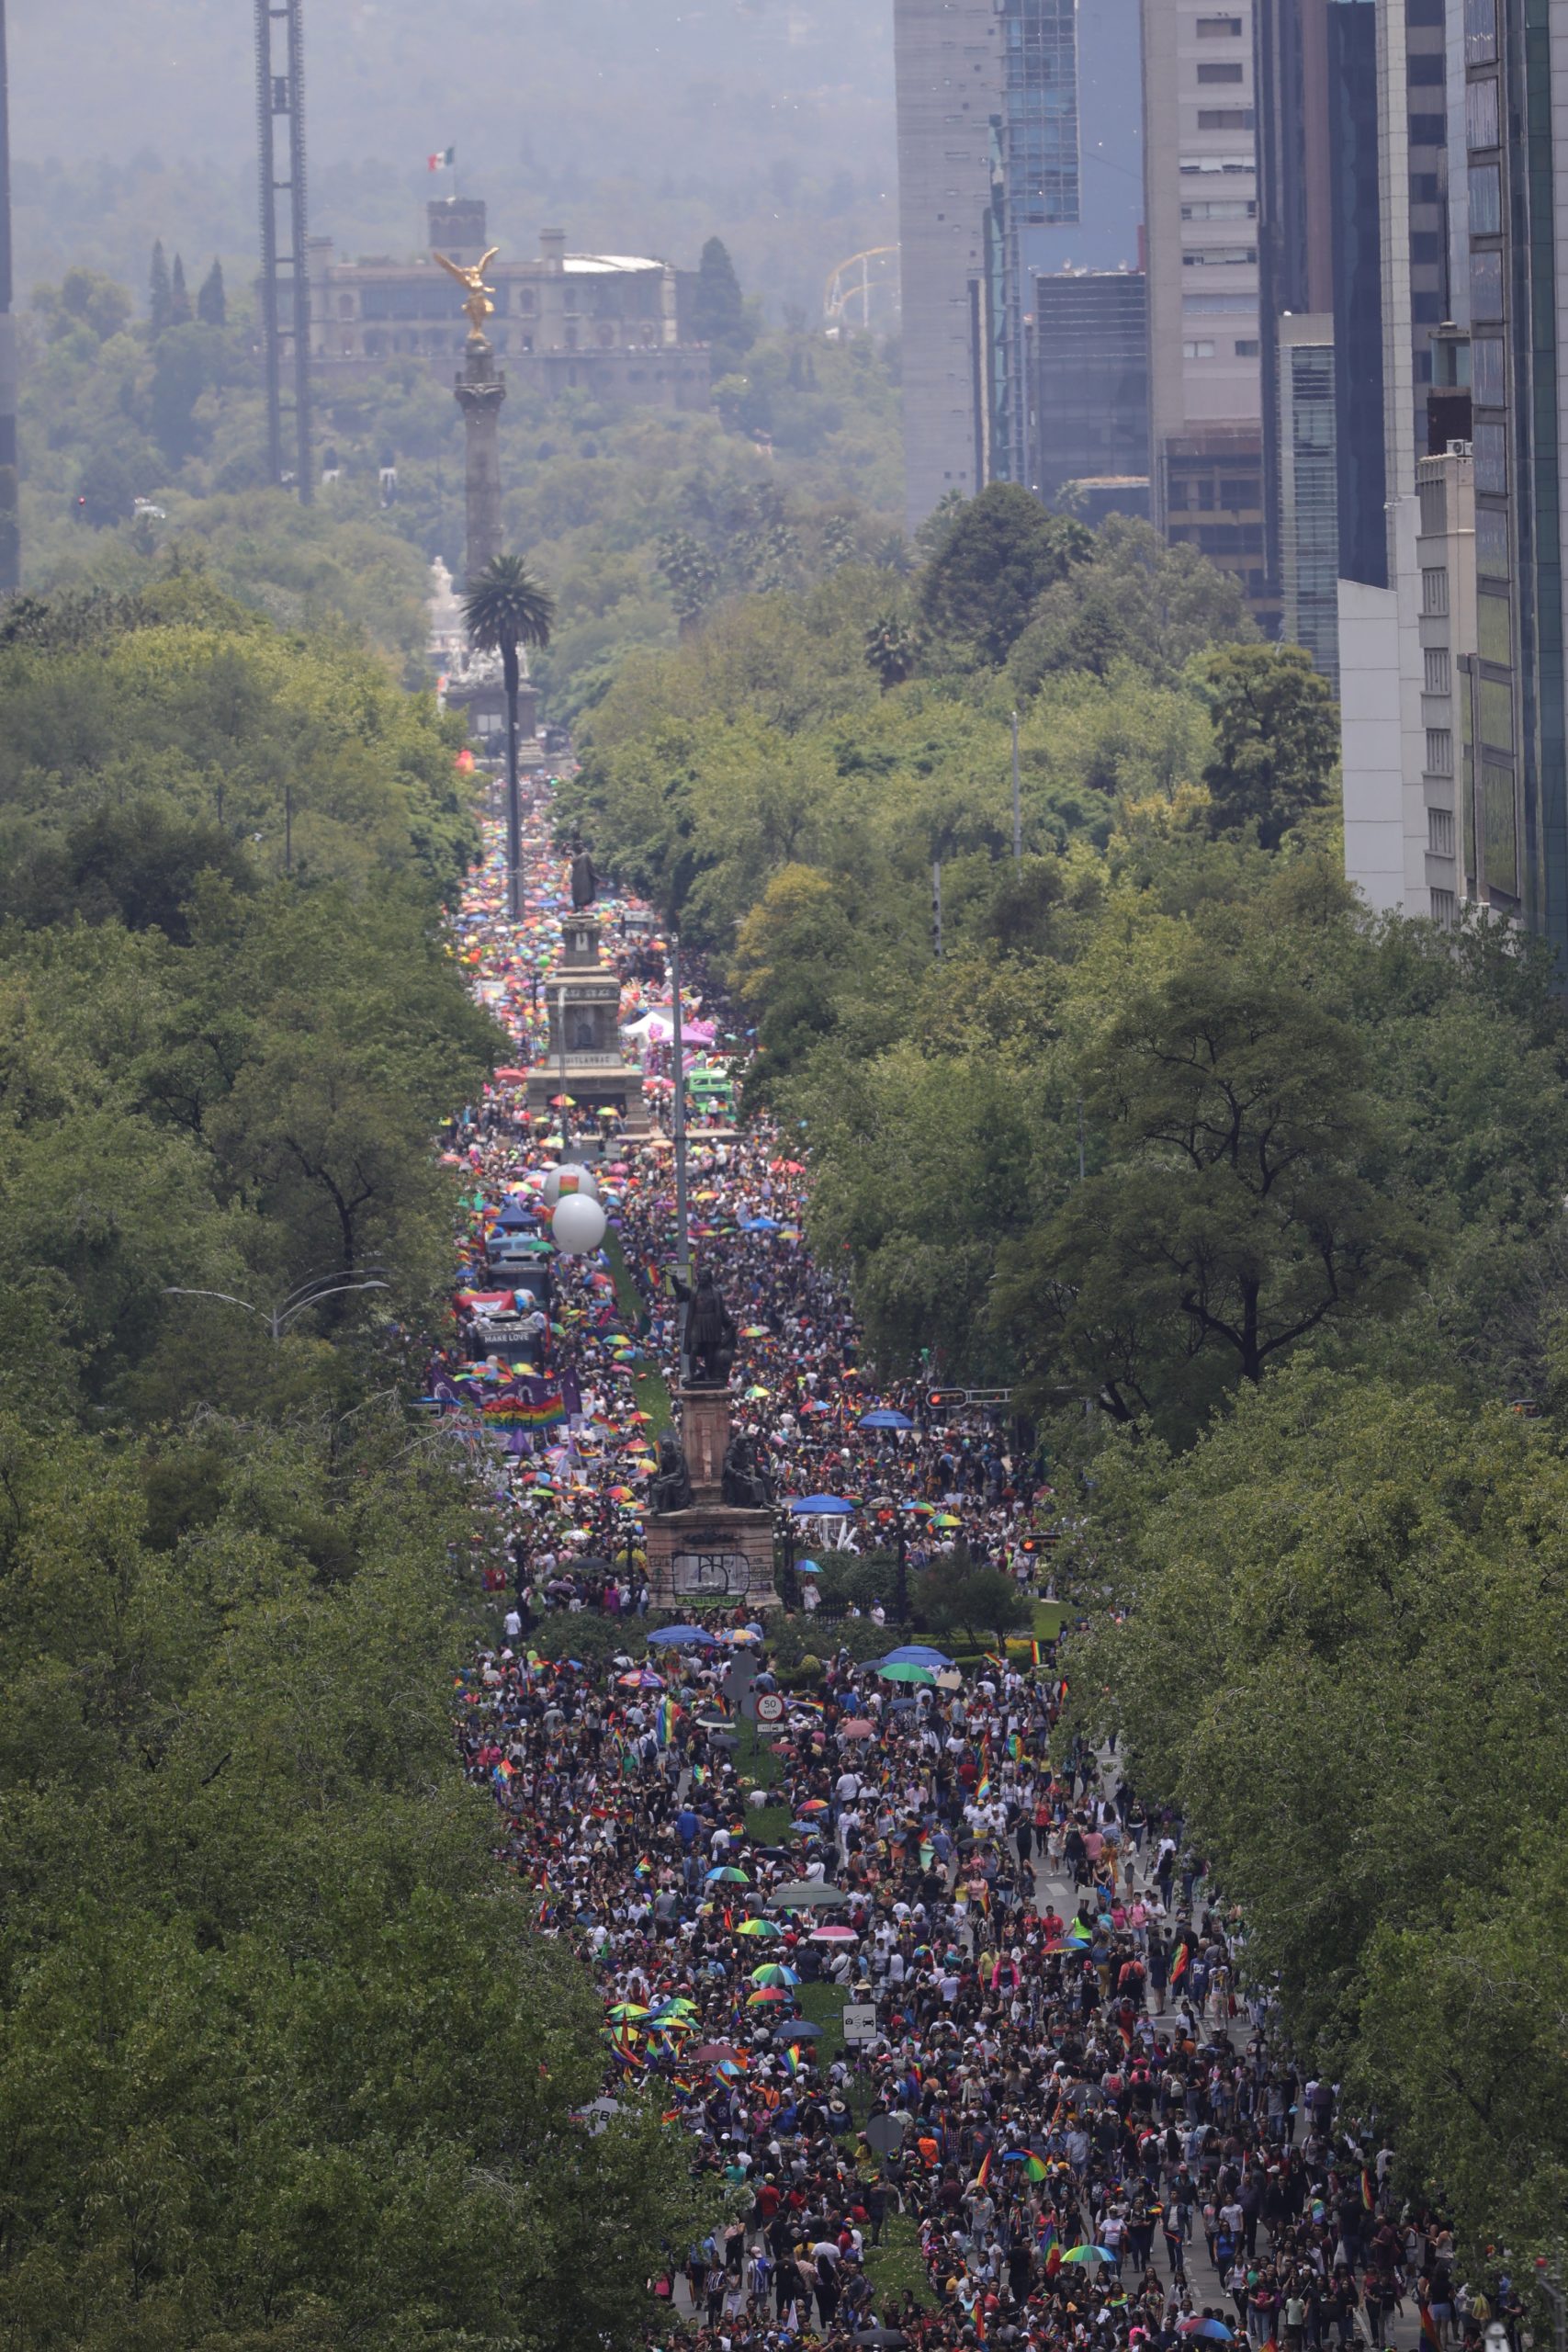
479, 307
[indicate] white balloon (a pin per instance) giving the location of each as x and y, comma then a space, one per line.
577, 1224
568, 1183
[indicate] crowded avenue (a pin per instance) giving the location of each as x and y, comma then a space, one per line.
945, 2012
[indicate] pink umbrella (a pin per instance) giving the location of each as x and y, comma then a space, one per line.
833, 1936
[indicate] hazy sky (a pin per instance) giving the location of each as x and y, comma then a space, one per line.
669, 81
635, 124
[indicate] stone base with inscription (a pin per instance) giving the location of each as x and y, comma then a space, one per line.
711, 1556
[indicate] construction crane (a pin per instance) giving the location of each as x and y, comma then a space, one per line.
284, 279
869, 280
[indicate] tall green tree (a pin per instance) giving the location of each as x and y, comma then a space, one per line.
1134, 601
211, 302
505, 609
997, 558
719, 311
1242, 1204
160, 295
179, 298
1276, 739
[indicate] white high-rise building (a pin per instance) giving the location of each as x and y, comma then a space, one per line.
1201, 220
946, 55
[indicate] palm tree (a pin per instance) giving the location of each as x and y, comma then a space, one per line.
506, 607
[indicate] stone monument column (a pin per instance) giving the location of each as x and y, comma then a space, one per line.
480, 391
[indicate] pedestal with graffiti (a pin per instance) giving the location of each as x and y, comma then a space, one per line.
711, 1553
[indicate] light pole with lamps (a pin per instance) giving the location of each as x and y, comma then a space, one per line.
303, 1296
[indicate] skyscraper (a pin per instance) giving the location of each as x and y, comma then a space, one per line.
1295, 246
946, 56
1307, 491
1036, 185
1091, 385
1201, 212
10, 526
1516, 796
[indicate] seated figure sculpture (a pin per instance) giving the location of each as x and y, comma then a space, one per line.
670, 1489
746, 1484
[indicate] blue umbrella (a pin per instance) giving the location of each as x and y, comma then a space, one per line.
885, 1418
915, 1653
684, 1637
821, 1507
1213, 2330
760, 1225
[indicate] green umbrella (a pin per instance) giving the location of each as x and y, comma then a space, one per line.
904, 1672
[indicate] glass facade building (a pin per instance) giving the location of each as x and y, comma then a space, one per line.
1036, 185
1309, 553
1091, 378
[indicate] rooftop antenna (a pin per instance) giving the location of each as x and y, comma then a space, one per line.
284, 279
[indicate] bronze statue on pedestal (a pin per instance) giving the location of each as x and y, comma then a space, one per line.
709, 1336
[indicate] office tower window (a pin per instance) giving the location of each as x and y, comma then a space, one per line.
1440, 751
1438, 676
1226, 118
1481, 114
1494, 629
1229, 208
1201, 350
1440, 831
1207, 301
1490, 445
1435, 589
1497, 703
1249, 348
1220, 257
1491, 541
1480, 31
1487, 285
1226, 73
1485, 201
1487, 371
1501, 829
1219, 27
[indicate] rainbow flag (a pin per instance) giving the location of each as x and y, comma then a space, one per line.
1179, 1970
983, 2175
1368, 2194
664, 1721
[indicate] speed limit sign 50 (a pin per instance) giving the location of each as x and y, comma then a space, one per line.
770, 1707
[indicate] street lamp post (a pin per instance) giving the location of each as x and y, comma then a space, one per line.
296, 1302
682, 1237
791, 1595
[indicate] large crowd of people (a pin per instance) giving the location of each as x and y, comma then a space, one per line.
939, 1999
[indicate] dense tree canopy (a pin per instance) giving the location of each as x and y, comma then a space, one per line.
282, 2060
